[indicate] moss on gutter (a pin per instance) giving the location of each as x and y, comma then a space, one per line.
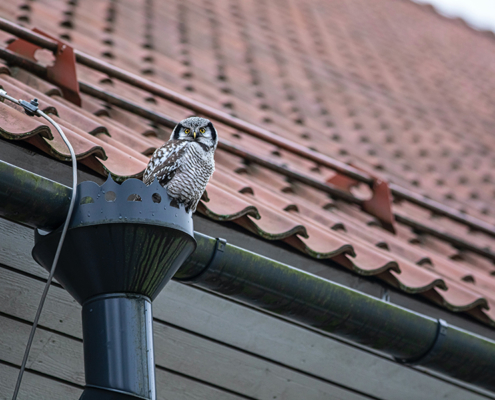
31, 199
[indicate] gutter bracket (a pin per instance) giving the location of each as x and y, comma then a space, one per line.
62, 73
216, 258
432, 352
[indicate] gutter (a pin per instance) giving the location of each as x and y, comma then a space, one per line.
409, 337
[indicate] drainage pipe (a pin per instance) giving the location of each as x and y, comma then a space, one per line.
118, 355
31, 199
116, 258
408, 336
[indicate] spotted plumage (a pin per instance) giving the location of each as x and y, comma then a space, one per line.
185, 163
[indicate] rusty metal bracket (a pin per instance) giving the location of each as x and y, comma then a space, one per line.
62, 73
380, 204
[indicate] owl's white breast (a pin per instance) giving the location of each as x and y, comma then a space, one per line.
191, 179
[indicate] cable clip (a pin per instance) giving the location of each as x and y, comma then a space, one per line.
30, 108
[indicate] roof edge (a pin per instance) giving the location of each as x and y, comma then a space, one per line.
427, 7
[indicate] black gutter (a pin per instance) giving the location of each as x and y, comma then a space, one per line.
31, 199
409, 337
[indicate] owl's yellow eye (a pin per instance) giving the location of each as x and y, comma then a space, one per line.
202, 130
187, 131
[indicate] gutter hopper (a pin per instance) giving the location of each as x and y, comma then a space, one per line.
124, 243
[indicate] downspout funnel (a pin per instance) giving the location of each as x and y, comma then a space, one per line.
124, 243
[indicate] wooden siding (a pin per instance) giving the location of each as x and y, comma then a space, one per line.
206, 347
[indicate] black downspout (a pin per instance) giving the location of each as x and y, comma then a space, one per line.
124, 243
118, 347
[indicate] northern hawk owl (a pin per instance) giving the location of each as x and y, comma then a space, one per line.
185, 163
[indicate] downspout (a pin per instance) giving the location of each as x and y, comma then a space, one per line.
409, 337
124, 243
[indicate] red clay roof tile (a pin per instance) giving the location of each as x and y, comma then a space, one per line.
224, 206
62, 107
327, 75
15, 125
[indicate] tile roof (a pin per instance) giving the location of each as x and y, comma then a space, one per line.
387, 85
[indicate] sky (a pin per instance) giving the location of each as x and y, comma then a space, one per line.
478, 13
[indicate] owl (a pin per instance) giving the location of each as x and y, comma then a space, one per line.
185, 163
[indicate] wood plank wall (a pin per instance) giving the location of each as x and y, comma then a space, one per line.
206, 347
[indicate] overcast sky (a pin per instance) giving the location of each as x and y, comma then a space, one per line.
478, 13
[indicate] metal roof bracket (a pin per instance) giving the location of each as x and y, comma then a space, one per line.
62, 73
379, 205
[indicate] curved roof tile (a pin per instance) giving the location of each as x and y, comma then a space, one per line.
390, 110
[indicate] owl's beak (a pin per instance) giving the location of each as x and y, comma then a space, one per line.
194, 134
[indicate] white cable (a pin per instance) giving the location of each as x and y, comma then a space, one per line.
60, 243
